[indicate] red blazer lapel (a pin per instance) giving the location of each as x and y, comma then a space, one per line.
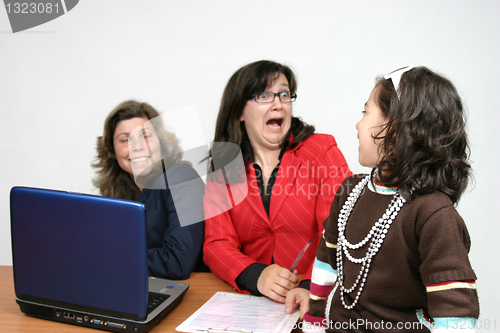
254, 199
284, 185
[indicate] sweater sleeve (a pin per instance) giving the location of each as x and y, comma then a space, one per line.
446, 272
324, 275
322, 283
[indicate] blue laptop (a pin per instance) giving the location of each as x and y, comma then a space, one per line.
82, 259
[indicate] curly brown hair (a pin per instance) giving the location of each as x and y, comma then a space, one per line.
112, 180
425, 148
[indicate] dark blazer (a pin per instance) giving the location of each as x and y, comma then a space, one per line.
174, 209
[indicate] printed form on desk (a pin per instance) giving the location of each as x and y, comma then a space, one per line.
230, 312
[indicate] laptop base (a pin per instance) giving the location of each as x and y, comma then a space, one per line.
93, 320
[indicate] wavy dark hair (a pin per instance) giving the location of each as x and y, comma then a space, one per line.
112, 180
244, 83
425, 147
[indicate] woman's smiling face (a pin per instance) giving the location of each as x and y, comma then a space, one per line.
267, 123
136, 145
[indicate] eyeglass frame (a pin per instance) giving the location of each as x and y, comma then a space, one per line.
293, 96
395, 76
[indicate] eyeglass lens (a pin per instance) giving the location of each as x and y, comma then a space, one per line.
266, 96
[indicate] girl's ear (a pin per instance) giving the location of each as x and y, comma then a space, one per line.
241, 117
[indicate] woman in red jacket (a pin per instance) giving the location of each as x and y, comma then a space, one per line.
289, 181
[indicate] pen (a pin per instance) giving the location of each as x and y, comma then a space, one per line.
300, 256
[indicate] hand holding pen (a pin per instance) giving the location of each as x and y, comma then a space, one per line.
276, 281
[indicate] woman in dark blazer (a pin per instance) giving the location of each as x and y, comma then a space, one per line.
138, 159
281, 198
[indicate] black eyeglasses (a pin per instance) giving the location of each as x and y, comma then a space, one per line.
269, 96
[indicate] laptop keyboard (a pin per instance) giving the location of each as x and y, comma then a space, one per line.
154, 300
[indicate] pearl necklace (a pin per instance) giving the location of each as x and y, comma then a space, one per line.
376, 235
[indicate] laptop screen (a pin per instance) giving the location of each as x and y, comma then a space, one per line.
82, 251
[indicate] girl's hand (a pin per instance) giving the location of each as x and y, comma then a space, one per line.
300, 297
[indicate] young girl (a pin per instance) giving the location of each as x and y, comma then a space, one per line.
394, 253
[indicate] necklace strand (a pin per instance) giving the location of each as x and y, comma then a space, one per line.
376, 235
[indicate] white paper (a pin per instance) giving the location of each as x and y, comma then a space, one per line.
230, 312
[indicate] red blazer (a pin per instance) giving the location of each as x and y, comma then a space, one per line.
303, 192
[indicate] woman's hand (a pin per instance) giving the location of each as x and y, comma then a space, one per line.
275, 282
298, 296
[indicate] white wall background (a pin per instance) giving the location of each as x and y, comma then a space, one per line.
58, 82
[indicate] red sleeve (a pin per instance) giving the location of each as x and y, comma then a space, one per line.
221, 250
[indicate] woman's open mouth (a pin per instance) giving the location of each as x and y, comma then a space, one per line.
274, 124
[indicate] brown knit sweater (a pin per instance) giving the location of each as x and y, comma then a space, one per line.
422, 269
